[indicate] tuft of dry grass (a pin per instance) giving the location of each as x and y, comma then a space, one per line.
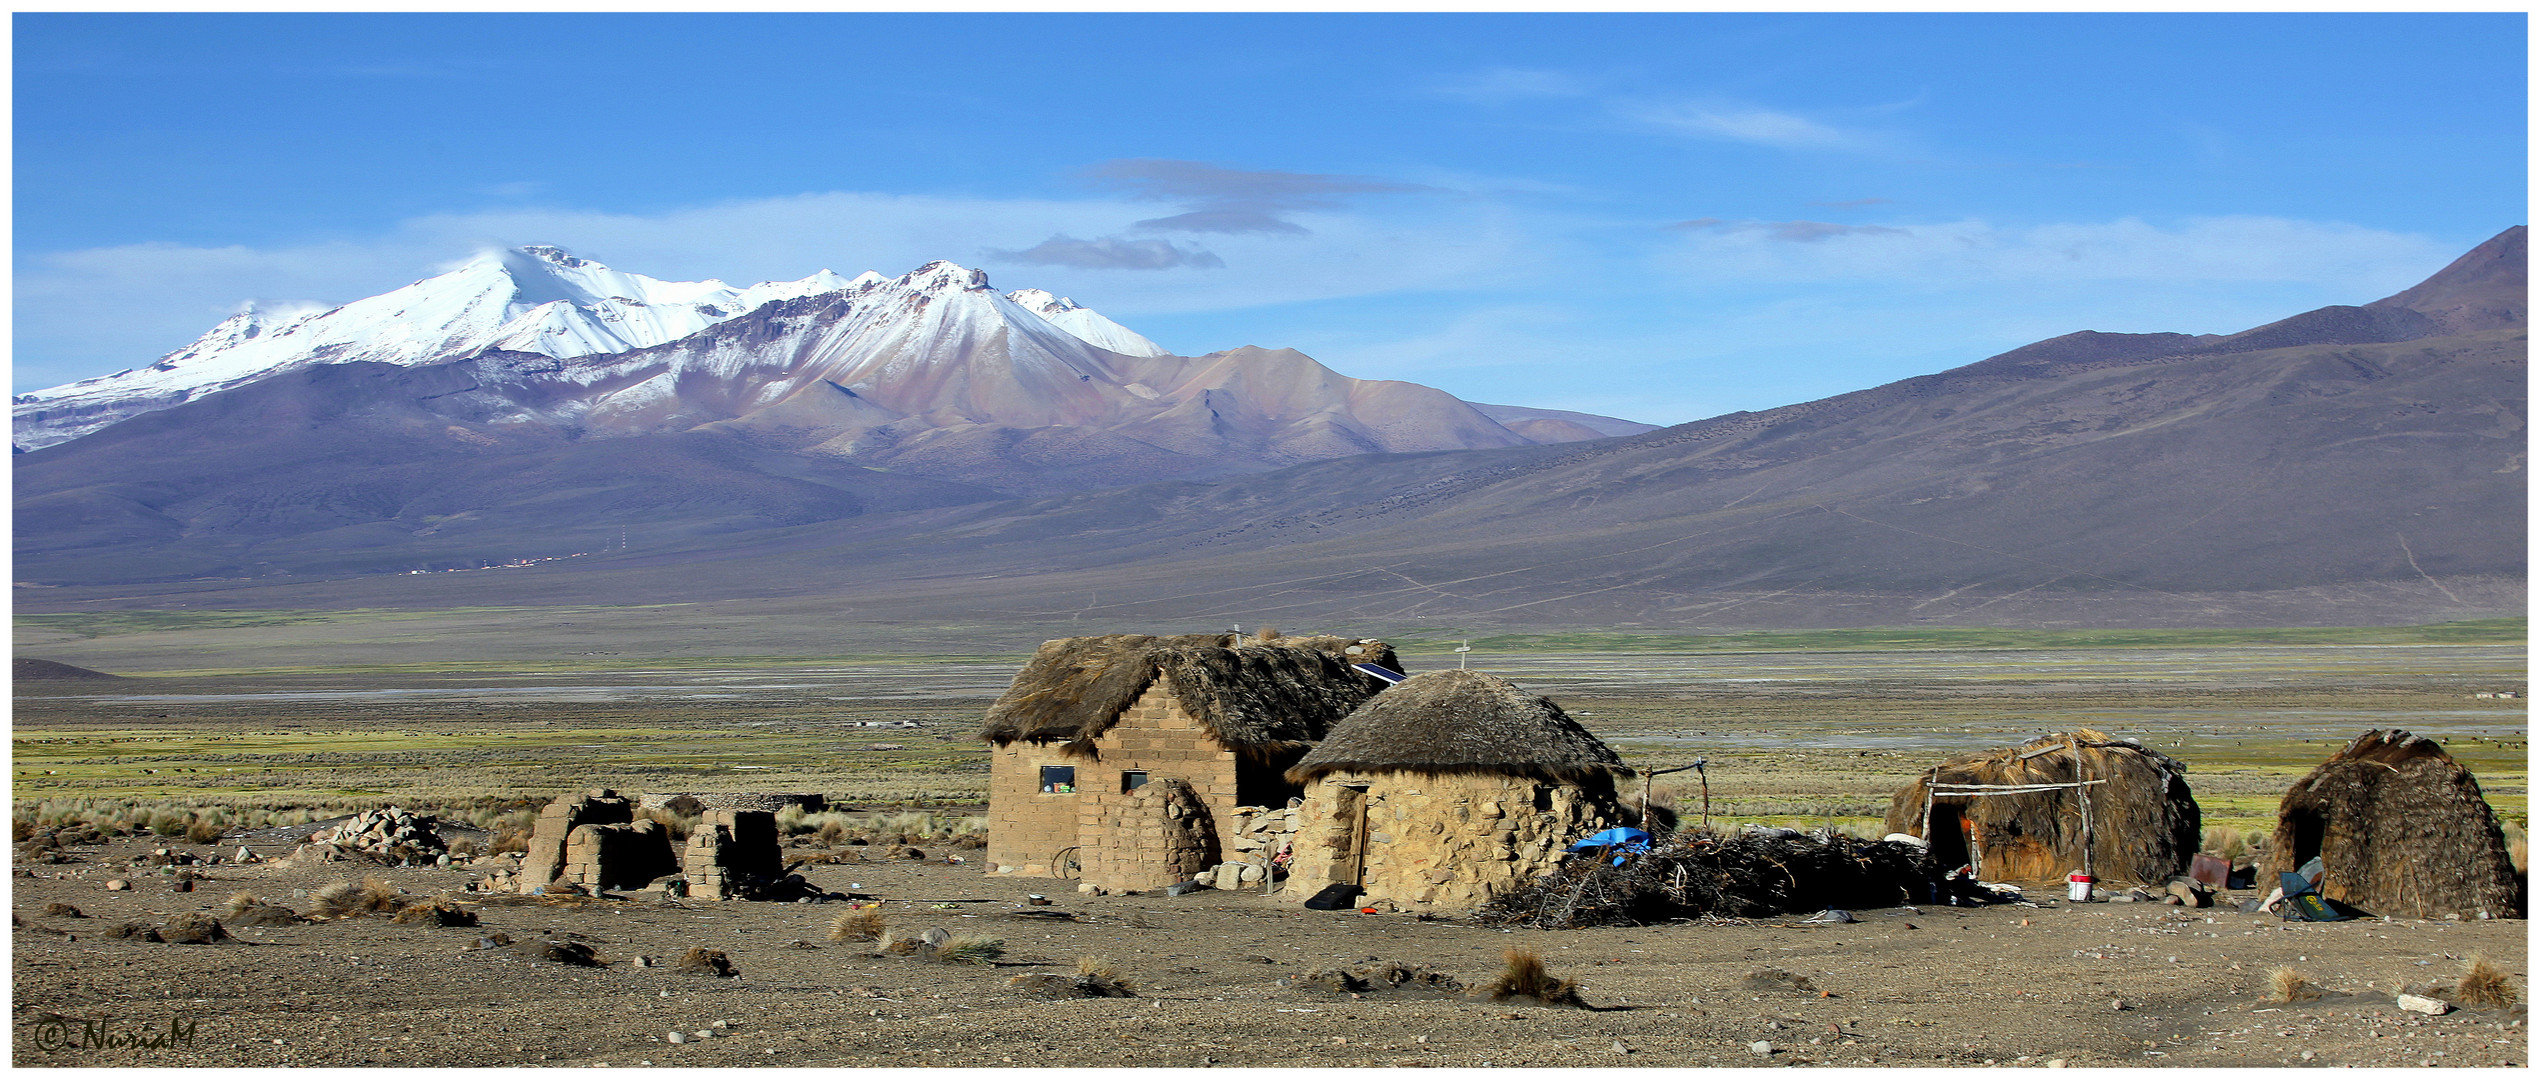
968, 949
899, 944
1104, 970
2518, 848
1525, 977
2226, 842
346, 898
242, 900
704, 961
438, 911
2286, 985
2486, 986
860, 924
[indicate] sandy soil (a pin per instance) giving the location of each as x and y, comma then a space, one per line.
2097, 984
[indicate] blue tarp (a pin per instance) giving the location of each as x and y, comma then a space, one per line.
1625, 841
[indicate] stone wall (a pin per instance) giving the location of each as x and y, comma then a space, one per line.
732, 854
697, 802
1442, 842
545, 861
1260, 833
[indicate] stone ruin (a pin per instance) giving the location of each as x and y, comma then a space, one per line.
732, 855
593, 841
391, 833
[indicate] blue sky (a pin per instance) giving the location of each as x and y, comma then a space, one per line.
1663, 217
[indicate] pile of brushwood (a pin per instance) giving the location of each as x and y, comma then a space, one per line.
1693, 874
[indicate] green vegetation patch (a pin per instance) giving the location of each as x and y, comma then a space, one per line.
2469, 632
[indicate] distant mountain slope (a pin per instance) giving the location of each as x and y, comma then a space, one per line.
2332, 467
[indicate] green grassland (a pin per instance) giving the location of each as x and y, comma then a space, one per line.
488, 707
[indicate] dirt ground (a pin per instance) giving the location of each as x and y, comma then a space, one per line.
2101, 984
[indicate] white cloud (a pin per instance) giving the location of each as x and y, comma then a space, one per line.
1742, 123
2341, 259
1511, 84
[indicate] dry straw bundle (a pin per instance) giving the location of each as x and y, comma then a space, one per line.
1262, 697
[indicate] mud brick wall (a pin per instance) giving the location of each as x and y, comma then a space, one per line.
732, 852
1150, 838
545, 860
1443, 842
1028, 831
1154, 736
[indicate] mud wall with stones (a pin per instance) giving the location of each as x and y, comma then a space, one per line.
1440, 842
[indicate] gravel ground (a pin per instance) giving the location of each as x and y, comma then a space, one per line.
2087, 985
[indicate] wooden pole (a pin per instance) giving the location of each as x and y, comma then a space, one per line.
1653, 774
2088, 839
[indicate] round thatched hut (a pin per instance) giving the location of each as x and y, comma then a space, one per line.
2399, 829
2015, 814
1449, 789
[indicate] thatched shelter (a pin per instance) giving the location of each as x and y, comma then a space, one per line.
1091, 721
2026, 821
1447, 790
2400, 829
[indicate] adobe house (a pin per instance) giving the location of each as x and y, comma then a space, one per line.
1120, 759
1447, 790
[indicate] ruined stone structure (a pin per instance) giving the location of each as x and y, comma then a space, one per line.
1093, 723
627, 856
732, 855
545, 862
1448, 790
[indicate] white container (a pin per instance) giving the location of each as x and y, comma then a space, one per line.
2078, 888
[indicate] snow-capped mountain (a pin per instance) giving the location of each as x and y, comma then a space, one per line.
938, 374
933, 372
533, 299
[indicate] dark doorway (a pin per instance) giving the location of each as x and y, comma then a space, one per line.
2309, 828
1949, 849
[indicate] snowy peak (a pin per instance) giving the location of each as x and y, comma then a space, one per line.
942, 277
1085, 323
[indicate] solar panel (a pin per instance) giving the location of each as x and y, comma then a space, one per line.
1381, 672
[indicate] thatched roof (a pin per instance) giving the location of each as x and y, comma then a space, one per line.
1259, 697
2399, 829
2145, 824
1459, 721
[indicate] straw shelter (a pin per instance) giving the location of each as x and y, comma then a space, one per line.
2400, 829
1120, 759
2078, 801
1448, 789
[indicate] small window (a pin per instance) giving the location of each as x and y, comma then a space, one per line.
1058, 779
1132, 781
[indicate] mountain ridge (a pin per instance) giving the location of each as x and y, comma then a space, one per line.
2090, 479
